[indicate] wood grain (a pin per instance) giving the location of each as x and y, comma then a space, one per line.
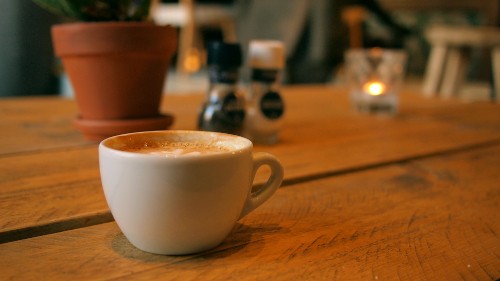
31, 124
39, 123
50, 182
428, 219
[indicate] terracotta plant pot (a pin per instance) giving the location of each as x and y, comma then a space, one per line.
117, 70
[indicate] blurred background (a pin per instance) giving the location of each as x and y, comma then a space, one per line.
316, 34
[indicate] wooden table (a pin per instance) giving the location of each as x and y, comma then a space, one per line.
413, 197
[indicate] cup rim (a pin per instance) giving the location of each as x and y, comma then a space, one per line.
244, 144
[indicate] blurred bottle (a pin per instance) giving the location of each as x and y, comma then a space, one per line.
224, 109
265, 106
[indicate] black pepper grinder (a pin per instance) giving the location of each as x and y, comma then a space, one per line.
224, 109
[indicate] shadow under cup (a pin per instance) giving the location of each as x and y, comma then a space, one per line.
181, 192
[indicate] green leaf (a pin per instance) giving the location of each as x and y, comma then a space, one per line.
99, 10
58, 7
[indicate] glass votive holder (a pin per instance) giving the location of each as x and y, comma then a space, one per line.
374, 77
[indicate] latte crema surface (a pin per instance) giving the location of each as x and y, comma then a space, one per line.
175, 149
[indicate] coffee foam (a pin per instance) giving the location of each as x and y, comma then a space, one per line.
175, 149
178, 143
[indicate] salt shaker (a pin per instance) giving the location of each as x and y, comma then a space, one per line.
224, 108
265, 106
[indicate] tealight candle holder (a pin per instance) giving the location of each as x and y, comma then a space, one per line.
374, 77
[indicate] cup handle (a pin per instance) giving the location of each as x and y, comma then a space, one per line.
255, 199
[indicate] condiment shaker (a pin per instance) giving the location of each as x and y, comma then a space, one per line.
224, 108
265, 105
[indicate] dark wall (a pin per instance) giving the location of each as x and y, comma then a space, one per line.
26, 56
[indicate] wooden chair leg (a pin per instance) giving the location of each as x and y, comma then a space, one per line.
186, 40
434, 69
353, 16
454, 72
229, 31
186, 36
495, 56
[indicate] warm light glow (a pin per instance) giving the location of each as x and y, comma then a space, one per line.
374, 88
192, 61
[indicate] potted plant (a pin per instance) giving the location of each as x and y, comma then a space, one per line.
117, 62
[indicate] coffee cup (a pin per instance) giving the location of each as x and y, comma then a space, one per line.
181, 192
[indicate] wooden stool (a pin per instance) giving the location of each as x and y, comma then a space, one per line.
449, 57
190, 16
353, 16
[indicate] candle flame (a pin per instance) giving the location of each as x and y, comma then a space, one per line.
374, 88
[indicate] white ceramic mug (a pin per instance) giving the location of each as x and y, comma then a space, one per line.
179, 202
